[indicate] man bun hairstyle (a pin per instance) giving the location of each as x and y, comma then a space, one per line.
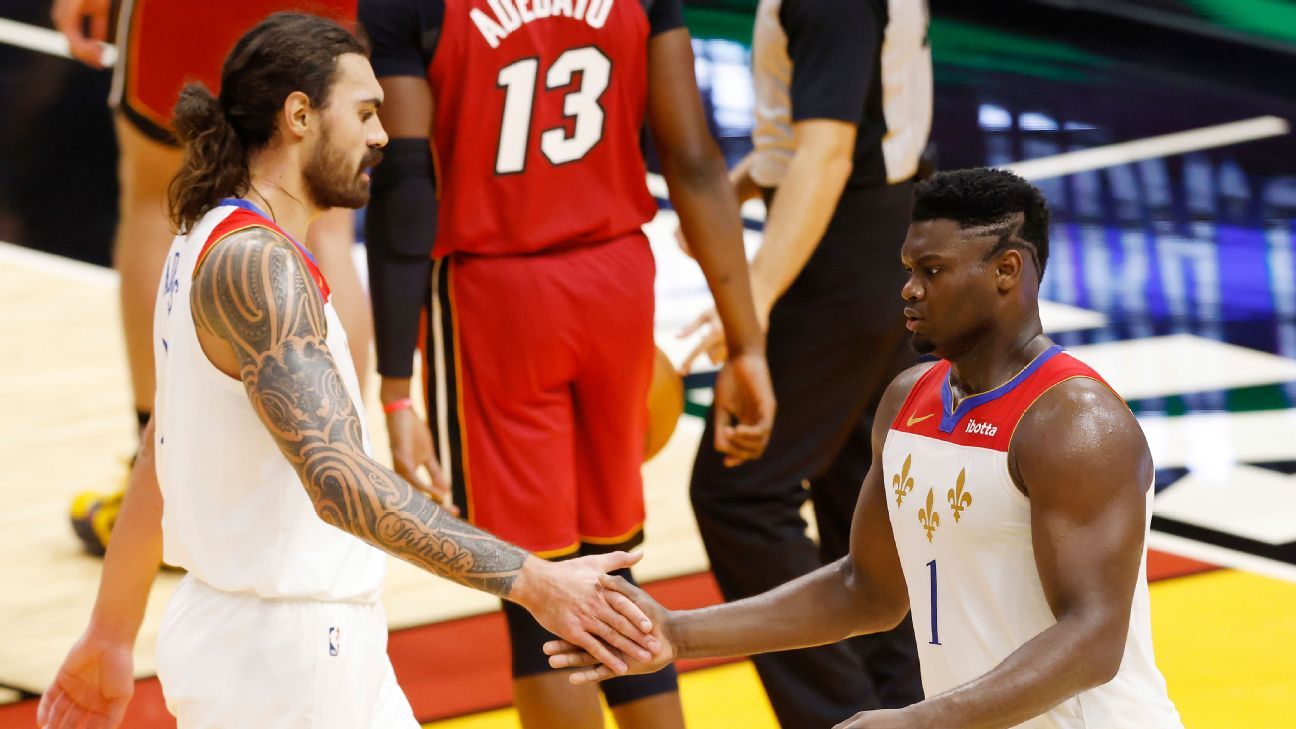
284, 53
983, 196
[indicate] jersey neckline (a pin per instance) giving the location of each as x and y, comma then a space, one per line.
950, 416
251, 207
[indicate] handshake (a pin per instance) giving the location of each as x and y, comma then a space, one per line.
609, 629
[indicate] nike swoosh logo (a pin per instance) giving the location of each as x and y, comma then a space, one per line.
913, 421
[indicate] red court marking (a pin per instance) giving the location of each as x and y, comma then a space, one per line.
147, 710
1164, 565
462, 666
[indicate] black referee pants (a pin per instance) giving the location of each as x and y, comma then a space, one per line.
836, 339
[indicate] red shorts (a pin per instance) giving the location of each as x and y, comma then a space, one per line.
164, 44
539, 369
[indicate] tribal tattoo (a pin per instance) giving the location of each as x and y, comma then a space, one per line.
254, 292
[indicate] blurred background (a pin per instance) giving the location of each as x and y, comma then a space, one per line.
1173, 268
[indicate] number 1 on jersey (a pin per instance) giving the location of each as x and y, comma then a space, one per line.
518, 80
935, 639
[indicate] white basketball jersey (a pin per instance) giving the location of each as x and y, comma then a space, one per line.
235, 514
963, 532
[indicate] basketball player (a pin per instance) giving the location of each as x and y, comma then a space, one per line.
153, 65
277, 623
1008, 504
539, 290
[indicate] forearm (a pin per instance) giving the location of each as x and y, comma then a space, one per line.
399, 231
708, 210
1055, 665
395, 388
822, 607
797, 220
134, 553
358, 495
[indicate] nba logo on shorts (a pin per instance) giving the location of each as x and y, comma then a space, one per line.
335, 641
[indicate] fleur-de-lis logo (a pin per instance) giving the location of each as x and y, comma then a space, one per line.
959, 499
928, 517
901, 482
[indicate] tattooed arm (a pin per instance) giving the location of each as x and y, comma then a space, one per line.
258, 312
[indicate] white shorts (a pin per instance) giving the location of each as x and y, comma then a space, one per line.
229, 661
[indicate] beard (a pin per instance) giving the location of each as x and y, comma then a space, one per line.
332, 181
921, 344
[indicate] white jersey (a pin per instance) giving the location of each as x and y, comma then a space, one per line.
963, 532
235, 514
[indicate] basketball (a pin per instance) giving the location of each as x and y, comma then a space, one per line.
665, 404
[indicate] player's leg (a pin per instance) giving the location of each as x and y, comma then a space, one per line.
393, 708
645, 702
499, 403
749, 516
544, 698
890, 658
332, 239
236, 660
865, 233
614, 322
145, 168
823, 344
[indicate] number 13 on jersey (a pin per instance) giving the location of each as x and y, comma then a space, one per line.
581, 104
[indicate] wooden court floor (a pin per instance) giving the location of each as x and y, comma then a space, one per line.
1224, 637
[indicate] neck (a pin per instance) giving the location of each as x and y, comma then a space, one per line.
276, 186
997, 357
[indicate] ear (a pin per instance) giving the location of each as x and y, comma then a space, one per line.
1008, 269
298, 114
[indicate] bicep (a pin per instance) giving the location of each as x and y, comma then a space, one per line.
874, 557
1086, 468
254, 293
675, 113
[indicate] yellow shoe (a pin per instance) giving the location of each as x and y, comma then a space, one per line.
93, 515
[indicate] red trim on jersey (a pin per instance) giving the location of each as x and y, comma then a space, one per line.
991, 424
242, 219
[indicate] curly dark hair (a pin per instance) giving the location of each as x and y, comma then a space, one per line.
284, 53
985, 196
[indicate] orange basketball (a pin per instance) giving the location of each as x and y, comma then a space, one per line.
665, 404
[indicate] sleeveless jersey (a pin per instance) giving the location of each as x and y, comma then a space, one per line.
235, 514
539, 108
963, 532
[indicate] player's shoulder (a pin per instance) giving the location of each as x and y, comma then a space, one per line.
238, 252
899, 390
1081, 410
904, 382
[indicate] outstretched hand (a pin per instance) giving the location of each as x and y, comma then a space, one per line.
574, 604
566, 654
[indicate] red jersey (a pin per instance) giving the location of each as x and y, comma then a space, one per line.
167, 43
539, 105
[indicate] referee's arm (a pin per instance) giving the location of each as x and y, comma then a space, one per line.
833, 47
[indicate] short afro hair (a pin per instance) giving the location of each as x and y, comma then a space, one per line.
984, 196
